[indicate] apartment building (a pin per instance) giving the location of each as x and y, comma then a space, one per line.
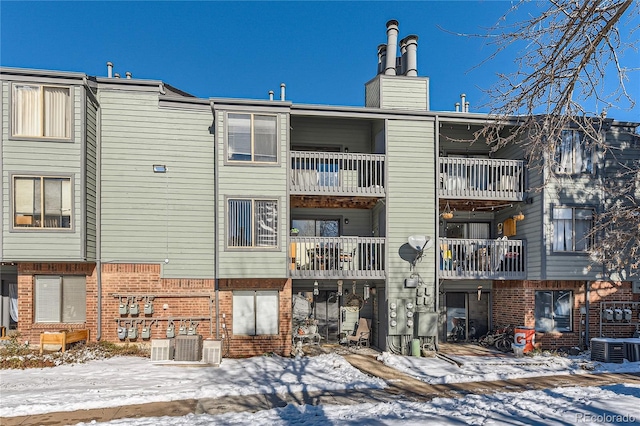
138, 211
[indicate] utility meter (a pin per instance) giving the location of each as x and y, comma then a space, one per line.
608, 314
617, 314
146, 332
627, 314
123, 309
134, 308
122, 333
132, 333
171, 331
148, 308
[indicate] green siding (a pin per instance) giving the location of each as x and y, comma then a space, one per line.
90, 176
410, 93
372, 93
255, 181
334, 132
150, 217
411, 203
41, 157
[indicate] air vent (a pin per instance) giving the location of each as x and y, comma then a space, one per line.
161, 349
188, 348
632, 349
607, 350
212, 352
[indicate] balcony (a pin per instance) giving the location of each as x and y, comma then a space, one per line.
481, 179
499, 259
337, 257
337, 173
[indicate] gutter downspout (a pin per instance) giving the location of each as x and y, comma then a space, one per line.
587, 290
215, 221
437, 171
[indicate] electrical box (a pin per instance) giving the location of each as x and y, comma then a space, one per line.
635, 287
427, 324
148, 308
411, 282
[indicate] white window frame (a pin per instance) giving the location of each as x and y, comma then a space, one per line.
565, 237
40, 115
256, 312
548, 310
573, 155
254, 154
33, 217
60, 299
260, 230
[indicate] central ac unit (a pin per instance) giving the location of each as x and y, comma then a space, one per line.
161, 349
607, 350
188, 348
632, 349
212, 352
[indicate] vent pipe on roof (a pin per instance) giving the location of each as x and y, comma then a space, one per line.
128, 75
282, 88
402, 62
457, 106
392, 47
382, 58
410, 60
116, 75
110, 69
466, 106
270, 95
462, 100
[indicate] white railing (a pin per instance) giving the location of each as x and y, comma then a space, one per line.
336, 173
481, 259
481, 178
337, 257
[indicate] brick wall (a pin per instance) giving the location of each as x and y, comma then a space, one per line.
181, 301
513, 302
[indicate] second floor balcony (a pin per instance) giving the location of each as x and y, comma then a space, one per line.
337, 173
481, 179
500, 259
337, 257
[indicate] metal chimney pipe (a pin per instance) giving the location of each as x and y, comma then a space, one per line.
466, 107
411, 62
116, 75
392, 47
457, 106
282, 87
270, 95
128, 75
382, 57
462, 99
110, 69
403, 57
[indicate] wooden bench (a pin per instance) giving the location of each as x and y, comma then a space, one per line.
63, 338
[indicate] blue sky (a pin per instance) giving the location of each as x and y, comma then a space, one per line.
323, 51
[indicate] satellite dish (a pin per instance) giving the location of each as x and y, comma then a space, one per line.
420, 242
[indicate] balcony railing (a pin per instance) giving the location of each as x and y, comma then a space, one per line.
337, 257
336, 173
481, 178
499, 259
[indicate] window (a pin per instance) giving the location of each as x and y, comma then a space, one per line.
553, 310
42, 202
60, 299
255, 313
252, 223
573, 154
252, 138
317, 227
572, 229
41, 111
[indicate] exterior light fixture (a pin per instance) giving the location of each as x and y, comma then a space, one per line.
366, 292
316, 290
339, 287
159, 168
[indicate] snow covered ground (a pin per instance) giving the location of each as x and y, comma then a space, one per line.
129, 380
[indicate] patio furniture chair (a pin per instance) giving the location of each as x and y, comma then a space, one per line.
362, 335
